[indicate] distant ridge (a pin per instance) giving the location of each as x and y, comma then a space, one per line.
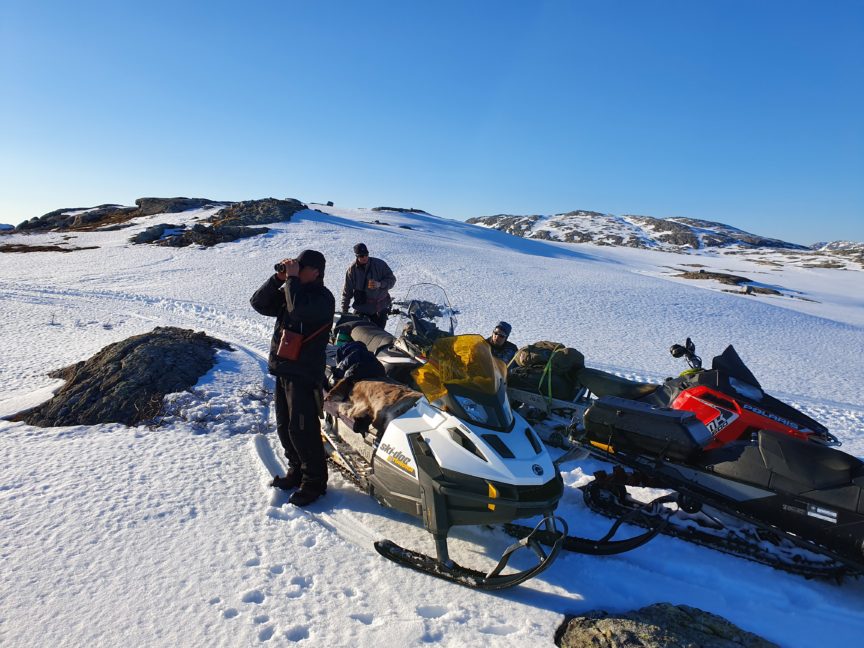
681, 235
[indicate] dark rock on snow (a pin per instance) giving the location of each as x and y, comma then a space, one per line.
258, 212
661, 625
99, 217
126, 381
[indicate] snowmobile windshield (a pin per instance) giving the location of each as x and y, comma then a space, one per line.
426, 306
741, 378
462, 376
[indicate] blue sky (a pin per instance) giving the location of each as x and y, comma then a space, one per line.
749, 113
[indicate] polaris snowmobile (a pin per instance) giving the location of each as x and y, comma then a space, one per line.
457, 455
772, 497
727, 399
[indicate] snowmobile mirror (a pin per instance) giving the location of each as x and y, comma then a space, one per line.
677, 350
689, 345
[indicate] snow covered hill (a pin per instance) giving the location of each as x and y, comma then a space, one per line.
684, 235
169, 536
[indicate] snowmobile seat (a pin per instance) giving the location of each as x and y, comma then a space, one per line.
807, 464
374, 337
631, 426
603, 384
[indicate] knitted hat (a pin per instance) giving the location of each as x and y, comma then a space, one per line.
312, 259
505, 327
361, 250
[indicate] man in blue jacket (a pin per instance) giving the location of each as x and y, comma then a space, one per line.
297, 298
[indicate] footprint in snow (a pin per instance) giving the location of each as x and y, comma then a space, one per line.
365, 619
277, 569
252, 562
230, 613
266, 634
431, 611
297, 633
302, 583
253, 596
499, 630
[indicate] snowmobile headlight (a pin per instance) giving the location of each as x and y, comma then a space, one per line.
477, 412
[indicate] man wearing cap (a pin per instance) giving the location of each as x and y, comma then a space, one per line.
297, 298
501, 347
368, 282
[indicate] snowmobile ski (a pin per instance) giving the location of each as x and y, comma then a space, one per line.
494, 579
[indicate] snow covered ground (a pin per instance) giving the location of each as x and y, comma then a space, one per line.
170, 536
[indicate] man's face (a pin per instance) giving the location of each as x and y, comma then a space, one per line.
308, 274
498, 337
362, 259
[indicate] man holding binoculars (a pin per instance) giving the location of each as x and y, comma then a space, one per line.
304, 309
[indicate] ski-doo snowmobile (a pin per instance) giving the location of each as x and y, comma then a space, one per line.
727, 399
771, 497
457, 455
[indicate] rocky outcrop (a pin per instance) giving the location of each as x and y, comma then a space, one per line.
662, 625
409, 210
150, 206
257, 212
103, 216
126, 381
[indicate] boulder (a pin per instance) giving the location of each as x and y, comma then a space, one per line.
126, 381
661, 625
257, 212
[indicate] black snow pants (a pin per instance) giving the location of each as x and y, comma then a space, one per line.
297, 409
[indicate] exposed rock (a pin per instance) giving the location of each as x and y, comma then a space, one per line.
411, 210
661, 625
126, 381
90, 218
150, 206
20, 247
209, 236
258, 212
77, 218
722, 277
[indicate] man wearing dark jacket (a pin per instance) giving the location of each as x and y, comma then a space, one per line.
368, 282
502, 348
297, 298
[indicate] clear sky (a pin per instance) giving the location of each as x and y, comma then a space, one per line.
745, 112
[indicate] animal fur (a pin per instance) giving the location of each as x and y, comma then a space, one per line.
378, 400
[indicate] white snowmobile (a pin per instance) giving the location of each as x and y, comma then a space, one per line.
457, 455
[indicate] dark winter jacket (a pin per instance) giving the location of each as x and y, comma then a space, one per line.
368, 301
506, 352
357, 363
302, 308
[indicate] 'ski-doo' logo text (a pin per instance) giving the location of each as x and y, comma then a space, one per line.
397, 458
771, 416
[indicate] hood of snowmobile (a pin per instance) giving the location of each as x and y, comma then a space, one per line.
517, 457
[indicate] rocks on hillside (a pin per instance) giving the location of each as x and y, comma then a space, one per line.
126, 381
661, 625
409, 210
673, 234
257, 212
198, 234
228, 224
89, 218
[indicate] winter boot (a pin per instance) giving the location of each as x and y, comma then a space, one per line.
290, 481
306, 494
